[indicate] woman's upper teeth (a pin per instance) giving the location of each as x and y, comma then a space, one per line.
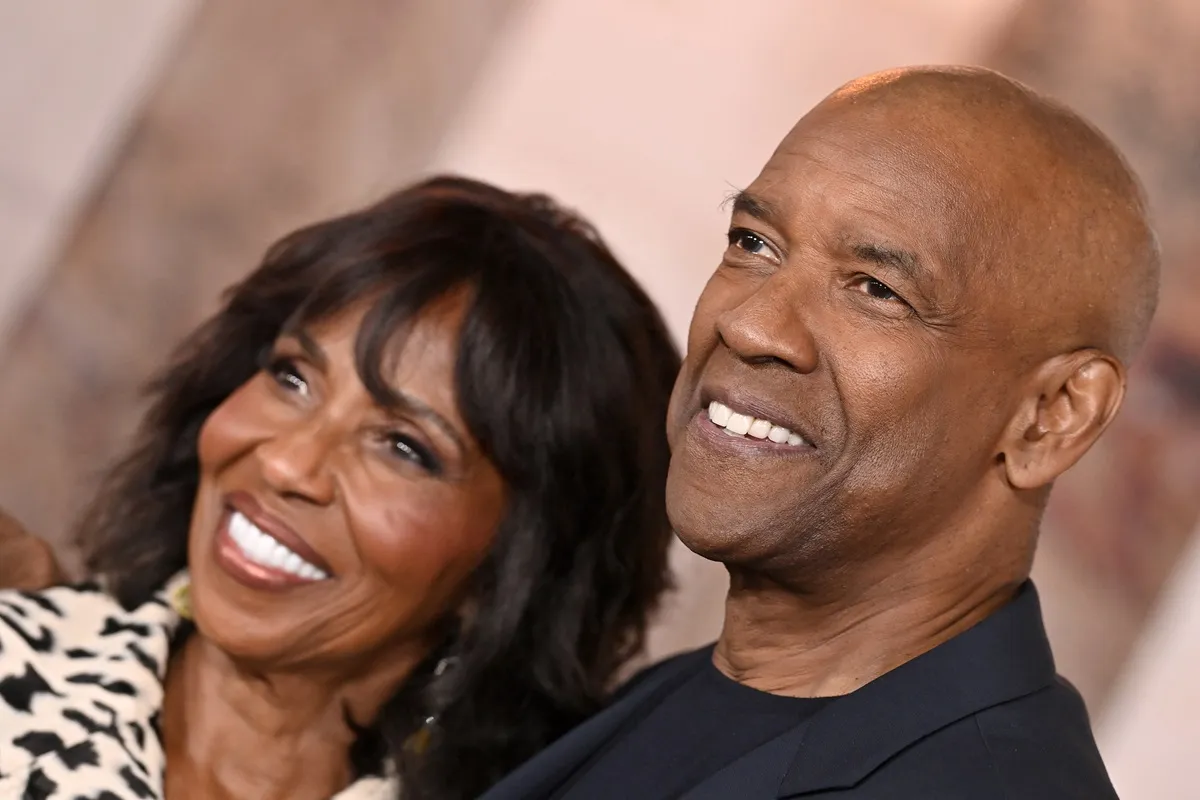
261, 548
736, 424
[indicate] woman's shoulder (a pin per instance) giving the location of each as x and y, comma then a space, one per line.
67, 620
61, 640
80, 688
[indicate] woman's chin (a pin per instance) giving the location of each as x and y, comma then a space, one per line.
245, 625
243, 638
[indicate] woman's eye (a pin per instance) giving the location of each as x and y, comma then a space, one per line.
749, 242
285, 373
409, 449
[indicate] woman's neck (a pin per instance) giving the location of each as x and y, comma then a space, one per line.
233, 732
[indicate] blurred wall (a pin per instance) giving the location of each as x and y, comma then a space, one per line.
1151, 732
152, 167
71, 78
268, 115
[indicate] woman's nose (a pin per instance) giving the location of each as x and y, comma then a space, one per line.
297, 464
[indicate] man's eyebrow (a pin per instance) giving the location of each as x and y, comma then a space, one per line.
903, 261
752, 205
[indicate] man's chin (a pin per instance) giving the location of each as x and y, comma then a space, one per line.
720, 535
722, 550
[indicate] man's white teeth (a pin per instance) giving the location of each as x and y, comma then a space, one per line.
736, 424
780, 435
719, 414
739, 424
261, 548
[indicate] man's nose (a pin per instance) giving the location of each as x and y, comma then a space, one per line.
770, 326
296, 463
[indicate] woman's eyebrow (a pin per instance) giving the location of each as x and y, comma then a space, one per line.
312, 349
408, 405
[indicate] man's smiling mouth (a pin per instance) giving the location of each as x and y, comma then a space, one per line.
744, 426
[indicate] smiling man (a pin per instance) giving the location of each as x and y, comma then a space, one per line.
924, 315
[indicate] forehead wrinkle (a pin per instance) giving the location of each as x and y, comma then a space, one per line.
1061, 235
959, 286
858, 216
926, 177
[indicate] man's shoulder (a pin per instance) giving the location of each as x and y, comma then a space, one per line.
1042, 745
1036, 747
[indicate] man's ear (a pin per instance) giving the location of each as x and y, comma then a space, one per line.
1071, 400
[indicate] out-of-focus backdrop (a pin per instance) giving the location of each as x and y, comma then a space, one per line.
151, 149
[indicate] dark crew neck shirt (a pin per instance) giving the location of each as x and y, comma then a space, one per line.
691, 733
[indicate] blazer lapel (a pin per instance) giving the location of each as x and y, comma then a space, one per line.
1004, 657
545, 772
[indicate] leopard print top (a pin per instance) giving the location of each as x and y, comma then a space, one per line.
80, 693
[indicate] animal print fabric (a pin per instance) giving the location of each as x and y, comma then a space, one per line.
81, 688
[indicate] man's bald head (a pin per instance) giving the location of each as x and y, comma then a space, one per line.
931, 290
1060, 218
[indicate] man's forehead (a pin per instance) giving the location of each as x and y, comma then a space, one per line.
848, 180
979, 171
876, 156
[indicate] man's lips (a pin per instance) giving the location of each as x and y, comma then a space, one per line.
739, 413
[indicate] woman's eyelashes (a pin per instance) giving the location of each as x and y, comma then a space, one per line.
287, 374
408, 448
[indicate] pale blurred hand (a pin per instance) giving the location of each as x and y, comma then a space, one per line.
26, 562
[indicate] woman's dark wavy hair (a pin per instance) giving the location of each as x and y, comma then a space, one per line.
564, 372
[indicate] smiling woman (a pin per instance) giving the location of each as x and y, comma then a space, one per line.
395, 518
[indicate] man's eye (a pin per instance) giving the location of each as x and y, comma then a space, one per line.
285, 373
745, 240
879, 290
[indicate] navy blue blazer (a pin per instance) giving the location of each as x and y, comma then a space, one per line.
982, 716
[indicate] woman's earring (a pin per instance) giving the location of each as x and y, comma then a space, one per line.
419, 741
180, 598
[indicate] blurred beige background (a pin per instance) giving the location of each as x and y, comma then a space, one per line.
151, 149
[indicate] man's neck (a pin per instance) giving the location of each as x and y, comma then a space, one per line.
232, 732
833, 641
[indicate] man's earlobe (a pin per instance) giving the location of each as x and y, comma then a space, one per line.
1073, 398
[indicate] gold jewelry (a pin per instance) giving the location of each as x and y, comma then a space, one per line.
181, 599
418, 742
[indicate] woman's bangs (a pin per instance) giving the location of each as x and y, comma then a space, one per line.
395, 293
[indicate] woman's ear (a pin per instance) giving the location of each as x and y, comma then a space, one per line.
26, 562
1071, 401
